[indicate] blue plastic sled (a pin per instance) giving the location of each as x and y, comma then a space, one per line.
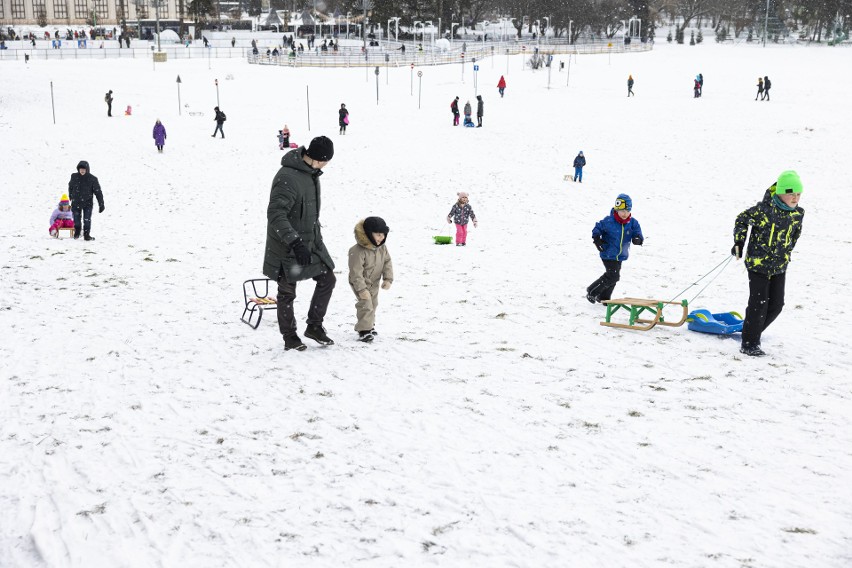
721, 324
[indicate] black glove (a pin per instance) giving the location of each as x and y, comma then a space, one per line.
737, 250
637, 240
101, 209
599, 243
303, 255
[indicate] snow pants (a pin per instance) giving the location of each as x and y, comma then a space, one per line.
455, 119
319, 302
61, 224
603, 287
461, 234
365, 310
82, 217
765, 302
578, 174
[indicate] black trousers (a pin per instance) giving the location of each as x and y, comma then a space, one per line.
319, 302
765, 302
218, 129
79, 210
603, 287
109, 108
479, 120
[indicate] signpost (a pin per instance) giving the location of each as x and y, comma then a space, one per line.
216, 82
462, 62
523, 56
475, 75
377, 85
412, 80
178, 84
419, 87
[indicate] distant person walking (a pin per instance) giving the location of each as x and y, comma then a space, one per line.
480, 109
501, 85
220, 119
454, 107
767, 84
159, 135
696, 88
700, 84
108, 100
630, 92
343, 118
579, 164
759, 88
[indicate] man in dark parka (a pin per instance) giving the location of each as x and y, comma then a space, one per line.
294, 247
480, 110
81, 188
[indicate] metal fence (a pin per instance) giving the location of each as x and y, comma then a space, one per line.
389, 53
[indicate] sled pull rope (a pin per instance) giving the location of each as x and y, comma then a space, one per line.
723, 264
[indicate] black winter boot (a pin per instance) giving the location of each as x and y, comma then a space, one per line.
317, 333
752, 350
365, 336
293, 342
88, 237
76, 233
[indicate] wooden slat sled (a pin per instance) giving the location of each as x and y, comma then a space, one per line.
636, 307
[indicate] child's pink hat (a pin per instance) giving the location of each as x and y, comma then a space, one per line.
462, 194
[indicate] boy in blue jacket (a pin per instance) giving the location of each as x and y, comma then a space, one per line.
612, 236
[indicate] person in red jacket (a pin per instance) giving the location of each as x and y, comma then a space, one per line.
501, 85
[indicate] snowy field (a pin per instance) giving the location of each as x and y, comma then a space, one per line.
494, 422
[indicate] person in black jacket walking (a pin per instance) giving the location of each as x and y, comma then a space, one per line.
295, 250
343, 118
766, 85
82, 187
480, 108
220, 119
108, 100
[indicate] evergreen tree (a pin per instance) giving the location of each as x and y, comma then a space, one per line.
669, 37
692, 37
700, 37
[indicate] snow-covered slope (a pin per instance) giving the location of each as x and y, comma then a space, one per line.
493, 422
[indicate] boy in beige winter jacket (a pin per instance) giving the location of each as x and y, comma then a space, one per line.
369, 265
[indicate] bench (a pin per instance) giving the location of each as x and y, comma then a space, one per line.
256, 298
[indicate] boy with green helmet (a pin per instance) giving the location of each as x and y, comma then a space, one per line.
776, 223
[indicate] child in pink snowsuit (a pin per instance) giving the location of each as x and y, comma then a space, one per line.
61, 217
460, 214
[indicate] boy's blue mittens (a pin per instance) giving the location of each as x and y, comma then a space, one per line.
637, 240
300, 250
599, 243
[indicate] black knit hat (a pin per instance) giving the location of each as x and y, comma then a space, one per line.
321, 149
375, 225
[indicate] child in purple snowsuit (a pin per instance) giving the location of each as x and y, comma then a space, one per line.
461, 213
159, 135
61, 217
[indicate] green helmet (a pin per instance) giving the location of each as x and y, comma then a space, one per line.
788, 182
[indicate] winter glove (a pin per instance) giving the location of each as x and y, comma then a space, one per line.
364, 294
449, 221
101, 209
300, 250
475, 224
637, 240
599, 243
737, 250
386, 285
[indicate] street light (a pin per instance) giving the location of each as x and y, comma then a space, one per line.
396, 20
348, 17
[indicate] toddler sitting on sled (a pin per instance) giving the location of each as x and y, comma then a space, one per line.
61, 218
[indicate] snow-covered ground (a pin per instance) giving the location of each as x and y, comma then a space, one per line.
494, 422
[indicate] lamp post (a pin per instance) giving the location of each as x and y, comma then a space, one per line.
348, 17
396, 20
570, 23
